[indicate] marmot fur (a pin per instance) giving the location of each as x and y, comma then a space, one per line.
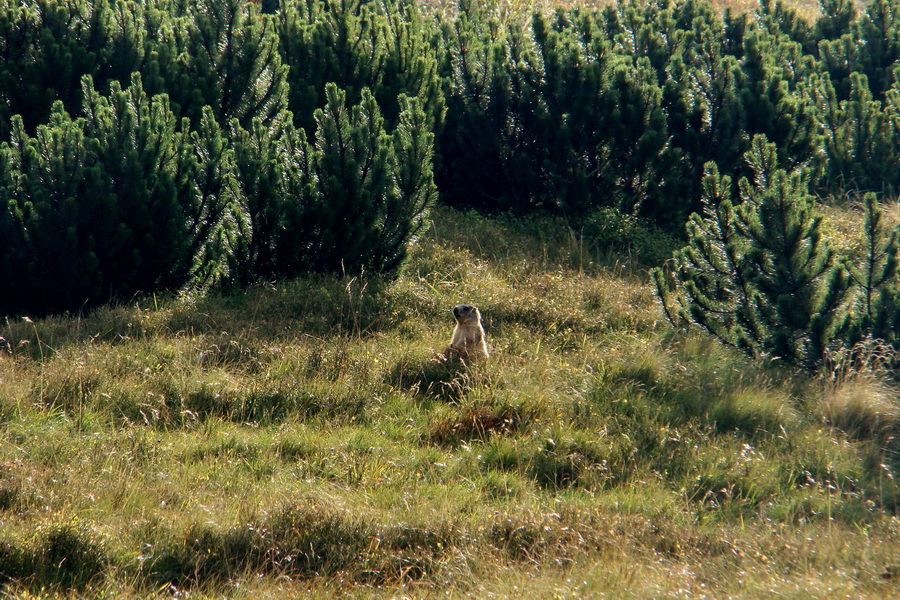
468, 341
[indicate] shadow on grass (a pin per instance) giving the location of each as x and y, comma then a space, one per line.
318, 306
64, 558
433, 378
300, 541
481, 422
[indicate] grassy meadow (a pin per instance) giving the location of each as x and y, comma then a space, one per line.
299, 439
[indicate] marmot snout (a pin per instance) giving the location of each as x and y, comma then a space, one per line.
466, 311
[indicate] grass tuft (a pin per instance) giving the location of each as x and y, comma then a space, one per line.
754, 411
863, 407
480, 422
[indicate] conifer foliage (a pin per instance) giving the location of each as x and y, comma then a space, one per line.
224, 142
547, 116
873, 270
759, 275
346, 202
98, 208
230, 62
384, 47
173, 162
47, 46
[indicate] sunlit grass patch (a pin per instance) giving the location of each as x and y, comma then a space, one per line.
864, 407
755, 411
302, 438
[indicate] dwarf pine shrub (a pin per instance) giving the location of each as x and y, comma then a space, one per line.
757, 273
98, 208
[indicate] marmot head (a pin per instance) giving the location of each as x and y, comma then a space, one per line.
466, 312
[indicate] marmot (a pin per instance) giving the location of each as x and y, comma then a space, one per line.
468, 341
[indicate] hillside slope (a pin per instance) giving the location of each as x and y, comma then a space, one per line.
299, 436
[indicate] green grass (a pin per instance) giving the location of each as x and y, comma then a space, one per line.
299, 438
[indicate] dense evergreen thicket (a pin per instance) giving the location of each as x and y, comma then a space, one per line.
154, 145
97, 207
625, 105
307, 135
758, 273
